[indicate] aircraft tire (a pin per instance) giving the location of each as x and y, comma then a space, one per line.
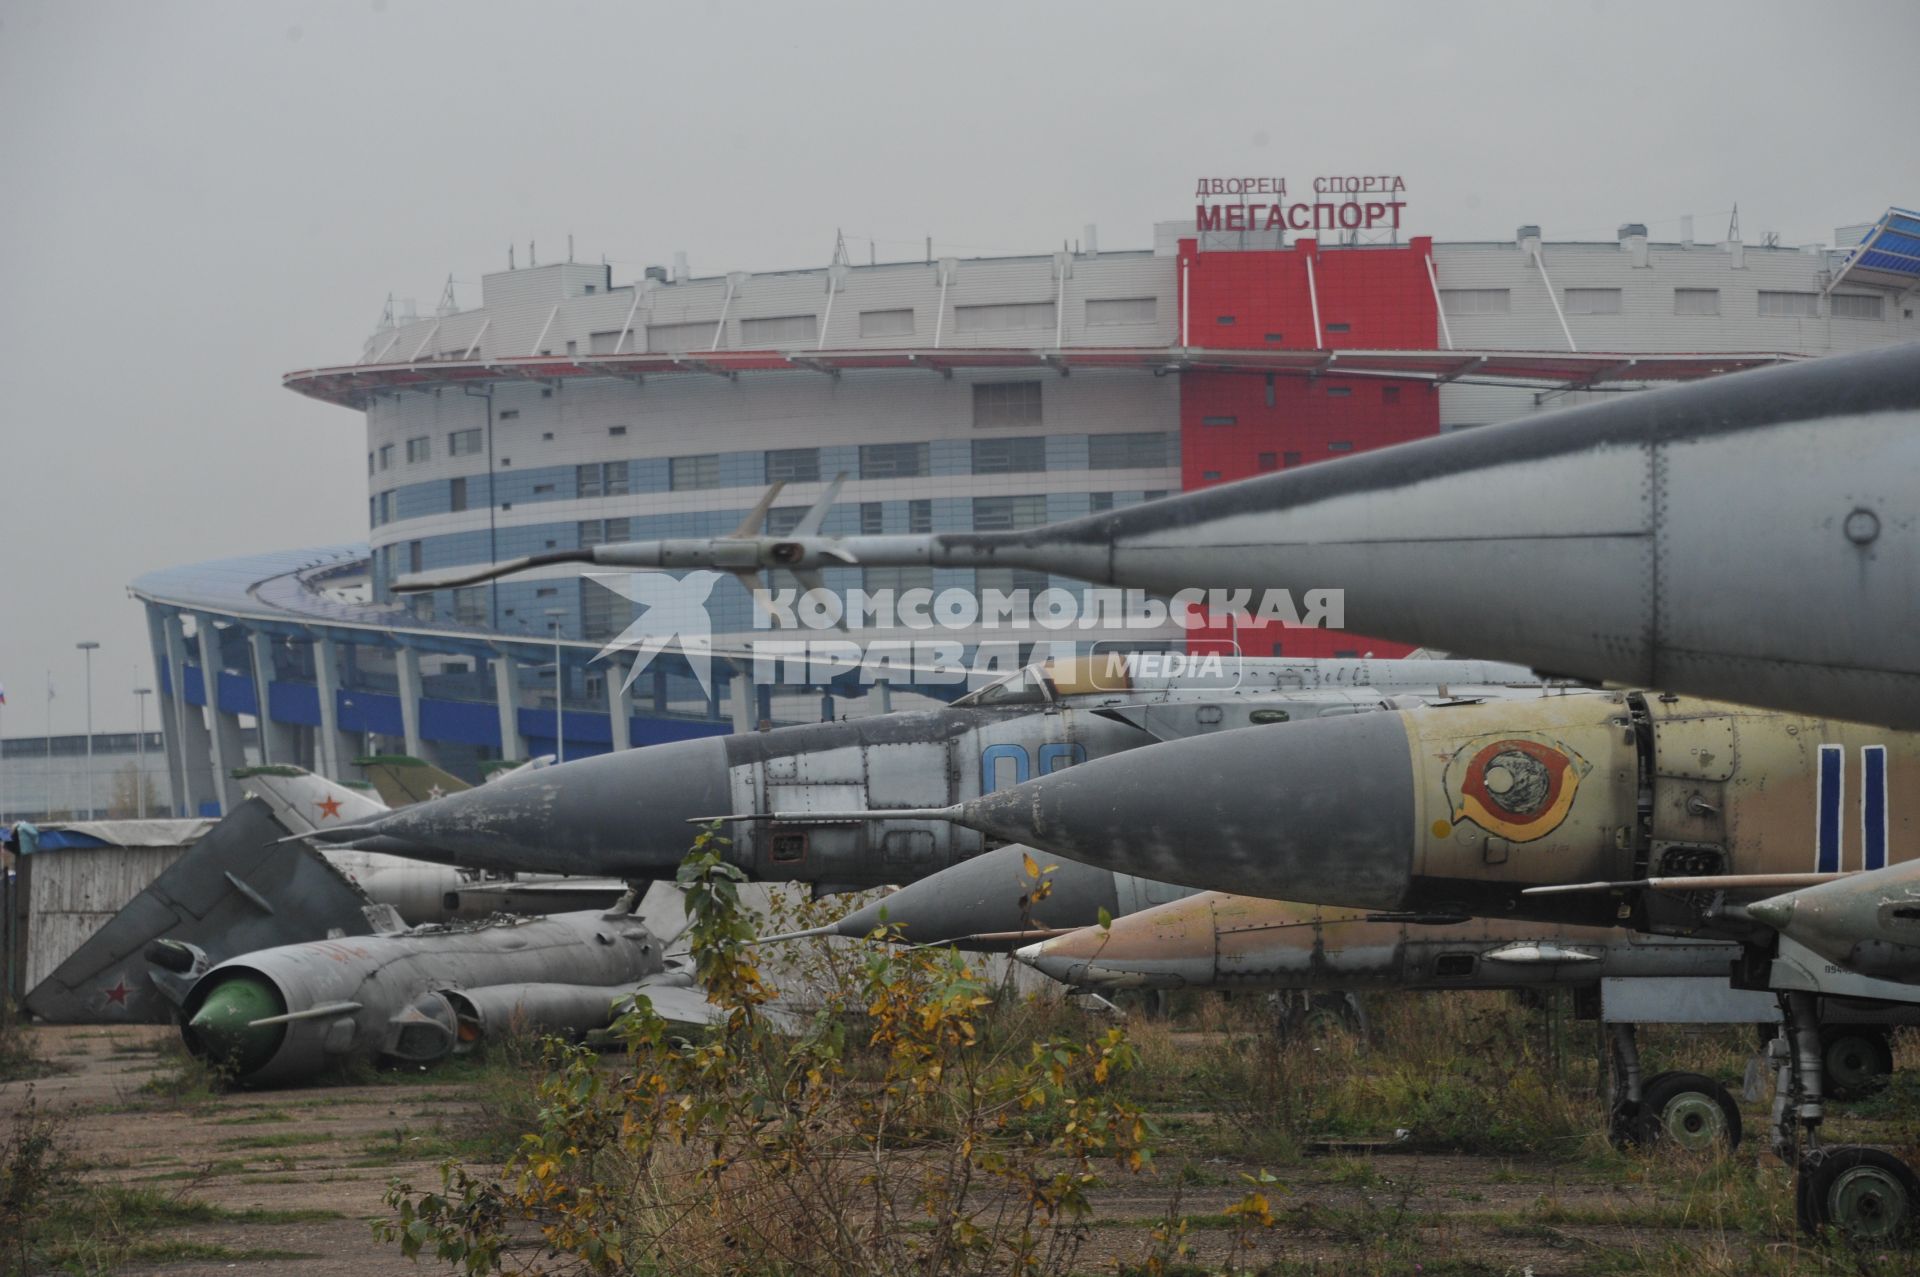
1867, 1195
1857, 1061
1688, 1111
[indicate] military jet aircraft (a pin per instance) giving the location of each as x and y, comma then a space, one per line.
1662, 813
421, 890
282, 1015
625, 814
1699, 539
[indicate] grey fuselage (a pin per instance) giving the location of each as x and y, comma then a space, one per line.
400, 995
630, 814
1754, 537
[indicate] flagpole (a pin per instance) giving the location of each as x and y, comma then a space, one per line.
49, 810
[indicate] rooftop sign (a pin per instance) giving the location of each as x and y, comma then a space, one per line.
1340, 203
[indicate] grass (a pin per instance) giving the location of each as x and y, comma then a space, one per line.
278, 1139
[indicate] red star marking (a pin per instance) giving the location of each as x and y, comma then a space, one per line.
118, 993
329, 806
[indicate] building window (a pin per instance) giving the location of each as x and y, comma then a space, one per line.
1389, 394
604, 532
1696, 301
794, 465
421, 606
386, 456
899, 580
1003, 317
1010, 580
1135, 450
470, 605
1790, 305
419, 448
1476, 301
1289, 459
603, 479
1338, 391
1340, 445
457, 494
463, 443
1339, 328
1007, 514
1219, 421
1269, 461
1006, 403
546, 436
1276, 337
1858, 306
872, 519
607, 343
413, 556
1593, 301
615, 431
510, 414
886, 323
689, 474
386, 506
1209, 475
919, 516
540, 489
1121, 310
783, 519
893, 460
1016, 454
603, 612
675, 338
780, 330
1098, 502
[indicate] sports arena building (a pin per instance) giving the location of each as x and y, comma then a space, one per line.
954, 394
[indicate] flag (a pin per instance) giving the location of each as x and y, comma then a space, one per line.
3, 693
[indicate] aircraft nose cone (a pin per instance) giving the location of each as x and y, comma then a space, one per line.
990, 895
1321, 811
1776, 912
624, 813
222, 1030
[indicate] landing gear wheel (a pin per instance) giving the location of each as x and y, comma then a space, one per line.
1866, 1195
1627, 1125
1858, 1062
1323, 1016
1688, 1111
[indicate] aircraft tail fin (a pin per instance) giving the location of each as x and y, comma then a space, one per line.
236, 890
401, 780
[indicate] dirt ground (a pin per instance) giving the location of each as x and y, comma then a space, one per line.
335, 1149
331, 1149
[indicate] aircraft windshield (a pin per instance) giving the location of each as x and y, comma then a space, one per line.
1029, 686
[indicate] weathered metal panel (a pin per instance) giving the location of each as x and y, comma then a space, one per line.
72, 894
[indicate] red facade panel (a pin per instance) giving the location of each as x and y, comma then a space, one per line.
1234, 425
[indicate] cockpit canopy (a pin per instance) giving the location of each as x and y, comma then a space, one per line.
1045, 683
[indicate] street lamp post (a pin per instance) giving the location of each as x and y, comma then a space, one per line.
559, 689
140, 695
89, 647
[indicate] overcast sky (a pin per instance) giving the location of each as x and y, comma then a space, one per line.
200, 197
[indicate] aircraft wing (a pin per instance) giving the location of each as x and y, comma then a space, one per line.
679, 1003
236, 890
